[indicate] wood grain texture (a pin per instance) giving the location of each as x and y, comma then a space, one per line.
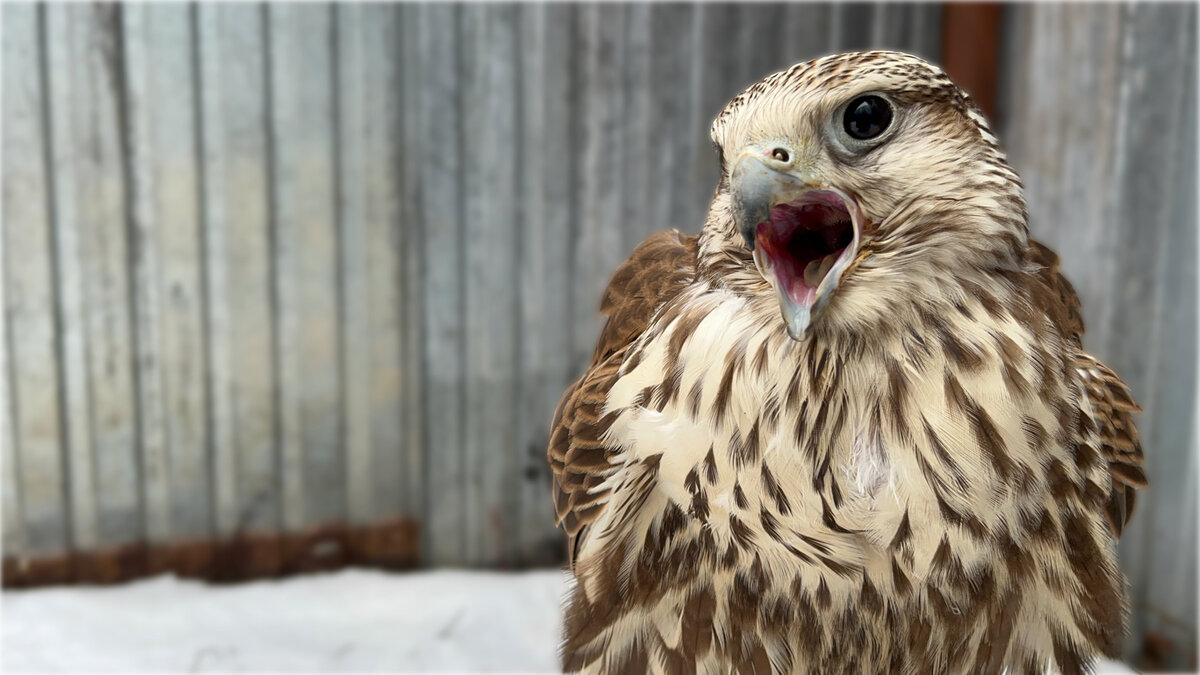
409, 234
489, 184
30, 289
441, 153
145, 235
218, 318
175, 203
100, 178
354, 265
71, 273
386, 334
242, 94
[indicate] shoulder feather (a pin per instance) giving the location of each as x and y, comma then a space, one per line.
1111, 403
659, 268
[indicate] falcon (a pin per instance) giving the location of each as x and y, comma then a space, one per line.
850, 427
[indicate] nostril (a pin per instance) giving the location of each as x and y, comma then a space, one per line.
780, 155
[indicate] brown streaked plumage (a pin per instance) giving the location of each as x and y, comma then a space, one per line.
915, 469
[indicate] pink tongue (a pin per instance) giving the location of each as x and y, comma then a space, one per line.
799, 292
773, 238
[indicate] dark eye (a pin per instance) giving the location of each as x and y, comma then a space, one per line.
866, 117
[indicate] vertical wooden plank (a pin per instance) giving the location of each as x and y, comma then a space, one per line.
286, 293
13, 536
970, 50
242, 91
100, 183
442, 267
492, 281
385, 238
145, 262
807, 26
30, 286
545, 250
672, 150
214, 215
305, 265
25, 200
639, 129
760, 41
924, 35
852, 23
313, 176
410, 235
171, 106
599, 247
69, 270
714, 85
354, 270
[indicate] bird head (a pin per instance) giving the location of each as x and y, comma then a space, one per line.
853, 180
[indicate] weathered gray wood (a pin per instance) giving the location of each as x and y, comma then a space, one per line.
312, 170
599, 244
305, 259
11, 512
384, 339
354, 300
672, 146
12, 107
637, 187
1113, 192
547, 155
96, 118
175, 208
491, 311
29, 286
220, 386
70, 273
243, 94
146, 263
408, 230
441, 225
760, 42
852, 26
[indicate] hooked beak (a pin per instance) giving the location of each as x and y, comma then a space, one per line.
804, 234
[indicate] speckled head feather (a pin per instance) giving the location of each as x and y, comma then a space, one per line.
850, 427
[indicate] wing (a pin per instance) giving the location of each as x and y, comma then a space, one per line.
657, 271
1112, 404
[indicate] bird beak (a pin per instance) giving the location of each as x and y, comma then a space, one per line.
804, 234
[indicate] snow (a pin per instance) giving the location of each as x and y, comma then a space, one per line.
349, 621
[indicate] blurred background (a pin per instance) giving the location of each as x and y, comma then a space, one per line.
290, 288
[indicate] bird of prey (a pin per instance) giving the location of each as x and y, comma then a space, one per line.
850, 427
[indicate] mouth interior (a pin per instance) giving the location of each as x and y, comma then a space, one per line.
802, 241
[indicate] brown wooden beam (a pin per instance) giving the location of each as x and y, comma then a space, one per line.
971, 49
391, 544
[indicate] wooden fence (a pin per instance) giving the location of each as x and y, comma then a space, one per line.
307, 280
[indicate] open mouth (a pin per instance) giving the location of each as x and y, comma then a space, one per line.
805, 242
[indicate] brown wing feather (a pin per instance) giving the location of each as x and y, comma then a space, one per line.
1112, 404
657, 271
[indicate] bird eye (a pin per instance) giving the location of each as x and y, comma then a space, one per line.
866, 117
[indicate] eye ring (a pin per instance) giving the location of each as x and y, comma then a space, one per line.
867, 117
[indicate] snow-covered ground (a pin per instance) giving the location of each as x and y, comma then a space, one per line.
353, 620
